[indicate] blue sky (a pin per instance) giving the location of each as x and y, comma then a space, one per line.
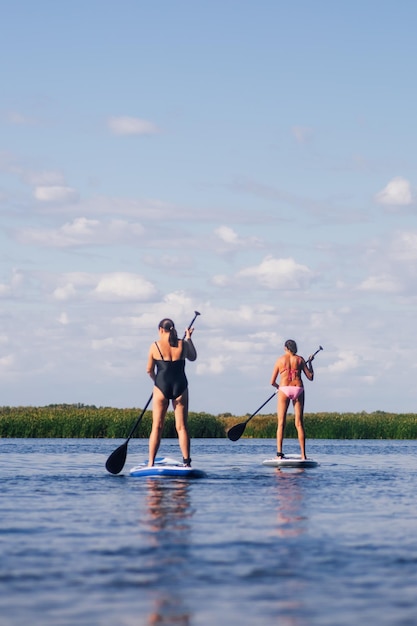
253, 161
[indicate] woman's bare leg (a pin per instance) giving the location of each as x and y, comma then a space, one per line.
159, 409
180, 405
299, 424
283, 403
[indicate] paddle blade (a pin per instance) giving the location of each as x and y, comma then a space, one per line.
117, 459
236, 432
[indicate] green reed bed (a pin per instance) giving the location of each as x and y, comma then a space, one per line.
77, 420
377, 425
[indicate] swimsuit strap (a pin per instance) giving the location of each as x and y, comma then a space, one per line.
159, 350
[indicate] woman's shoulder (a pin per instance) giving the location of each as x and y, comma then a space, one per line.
283, 362
154, 348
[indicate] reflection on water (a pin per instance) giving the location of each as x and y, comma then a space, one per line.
290, 503
291, 517
168, 505
167, 523
250, 545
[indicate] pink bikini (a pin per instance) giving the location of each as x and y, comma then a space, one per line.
291, 391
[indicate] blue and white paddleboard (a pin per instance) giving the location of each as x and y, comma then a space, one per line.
289, 461
166, 466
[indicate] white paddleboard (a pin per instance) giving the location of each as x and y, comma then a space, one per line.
289, 461
166, 467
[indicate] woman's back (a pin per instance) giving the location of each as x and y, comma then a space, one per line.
290, 366
163, 350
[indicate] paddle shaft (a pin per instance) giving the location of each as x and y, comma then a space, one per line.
261, 407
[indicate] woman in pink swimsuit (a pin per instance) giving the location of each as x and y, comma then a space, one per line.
289, 367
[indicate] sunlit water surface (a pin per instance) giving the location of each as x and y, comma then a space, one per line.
248, 545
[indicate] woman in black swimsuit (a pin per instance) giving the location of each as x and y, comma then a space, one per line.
166, 367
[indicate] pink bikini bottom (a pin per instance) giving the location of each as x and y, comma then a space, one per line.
293, 393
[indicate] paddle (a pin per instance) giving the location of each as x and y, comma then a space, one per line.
117, 459
237, 431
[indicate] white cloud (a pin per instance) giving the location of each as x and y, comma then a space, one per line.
113, 286
178, 305
397, 193
382, 283
214, 365
6, 363
131, 126
151, 209
16, 281
49, 185
4, 289
65, 293
55, 193
123, 286
169, 262
100, 344
345, 363
80, 279
227, 234
279, 274
220, 280
231, 239
81, 232
63, 318
112, 344
81, 226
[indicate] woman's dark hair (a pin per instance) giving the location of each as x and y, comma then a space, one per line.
169, 327
291, 346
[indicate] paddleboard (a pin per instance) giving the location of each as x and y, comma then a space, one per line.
166, 467
289, 461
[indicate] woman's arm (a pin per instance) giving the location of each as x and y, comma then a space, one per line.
190, 352
308, 369
275, 374
150, 367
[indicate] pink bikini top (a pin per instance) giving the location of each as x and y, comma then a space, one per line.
292, 374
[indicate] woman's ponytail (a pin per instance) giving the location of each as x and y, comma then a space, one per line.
169, 327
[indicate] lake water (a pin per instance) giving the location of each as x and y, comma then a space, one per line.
248, 545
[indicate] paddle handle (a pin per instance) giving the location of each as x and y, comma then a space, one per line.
196, 314
314, 354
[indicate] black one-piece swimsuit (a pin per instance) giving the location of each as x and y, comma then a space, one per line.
170, 376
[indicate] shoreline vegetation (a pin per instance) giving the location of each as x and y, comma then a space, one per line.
71, 421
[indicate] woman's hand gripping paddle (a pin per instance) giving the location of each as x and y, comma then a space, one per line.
311, 358
117, 459
237, 431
